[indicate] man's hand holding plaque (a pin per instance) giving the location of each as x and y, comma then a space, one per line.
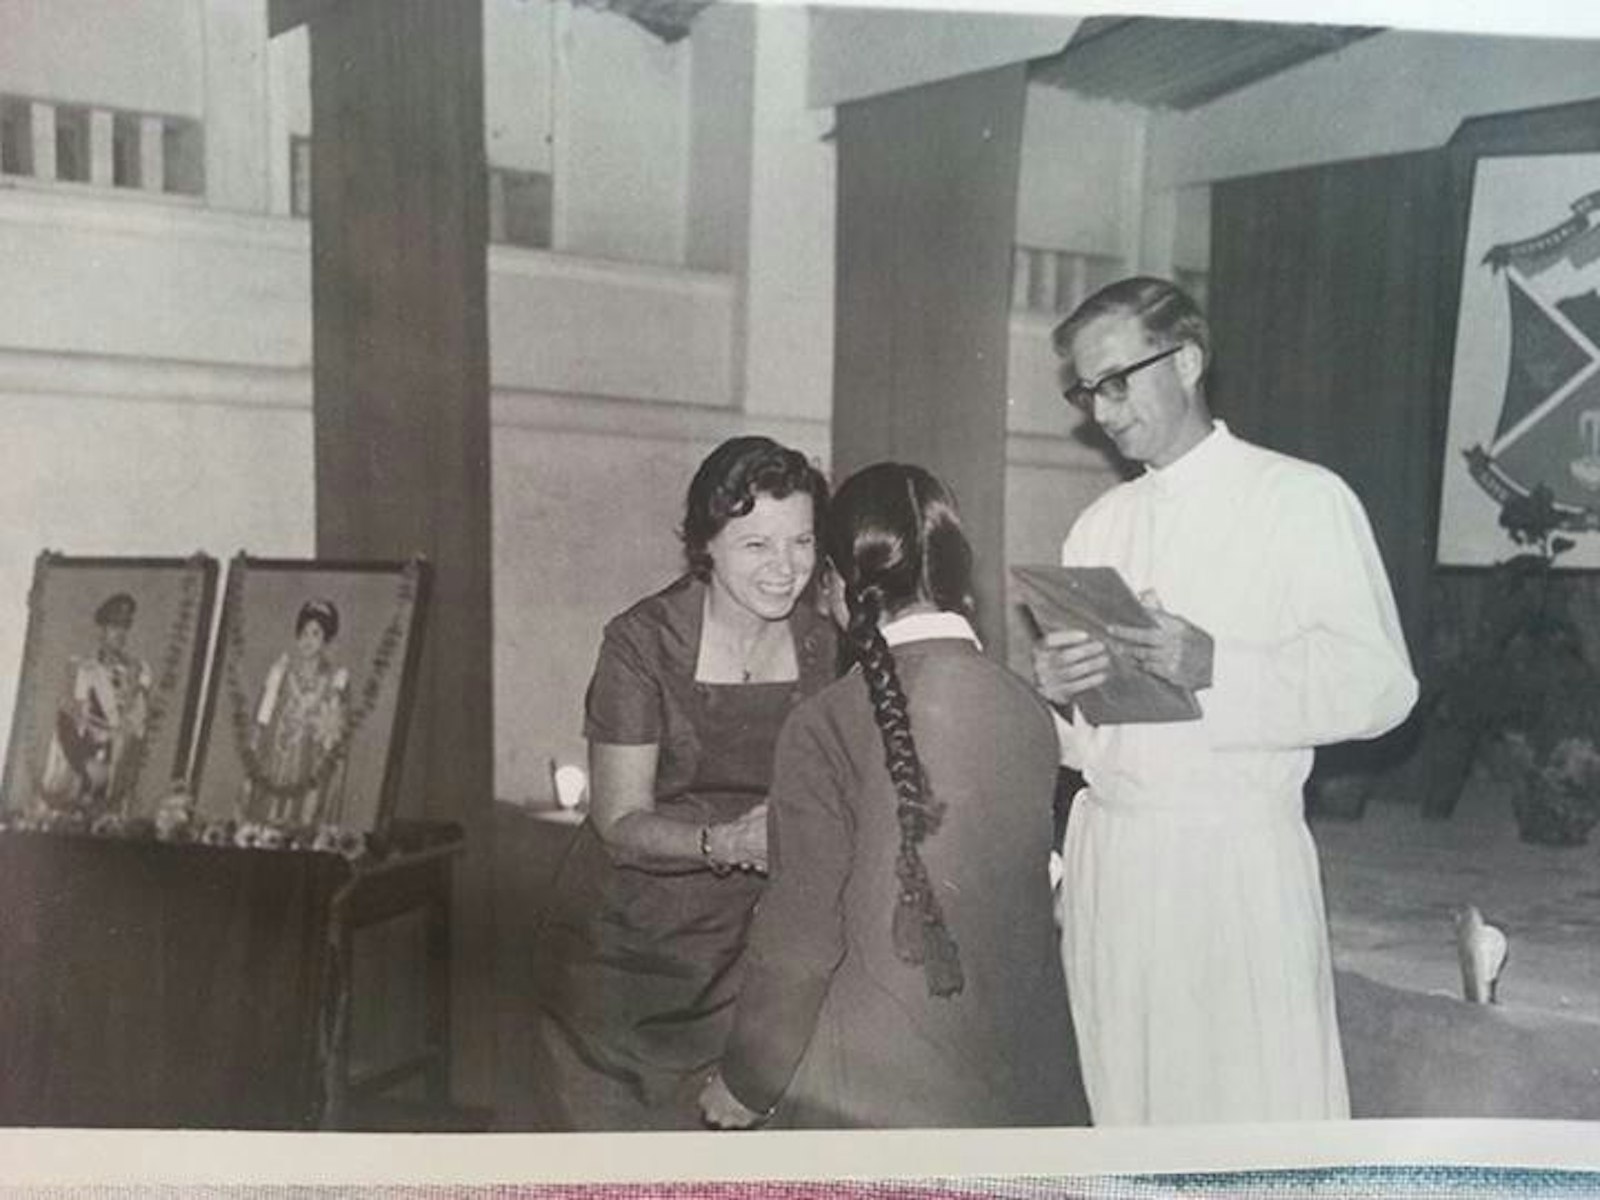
1100, 650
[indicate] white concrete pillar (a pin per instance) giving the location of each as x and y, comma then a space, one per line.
101, 135
1156, 230
152, 154
561, 160
790, 272
288, 113
236, 118
44, 140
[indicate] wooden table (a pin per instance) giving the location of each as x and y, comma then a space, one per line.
162, 985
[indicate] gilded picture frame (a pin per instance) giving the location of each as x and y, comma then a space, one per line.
310, 693
112, 663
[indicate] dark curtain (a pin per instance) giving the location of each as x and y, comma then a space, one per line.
1330, 298
1333, 297
926, 211
1331, 294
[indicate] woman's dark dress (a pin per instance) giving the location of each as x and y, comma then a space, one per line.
640, 963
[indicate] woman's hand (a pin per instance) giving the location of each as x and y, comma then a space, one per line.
742, 843
721, 1109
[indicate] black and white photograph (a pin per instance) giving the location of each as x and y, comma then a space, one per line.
652, 444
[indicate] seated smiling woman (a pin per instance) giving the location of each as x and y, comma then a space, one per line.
640, 949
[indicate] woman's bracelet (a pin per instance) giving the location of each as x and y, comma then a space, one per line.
717, 866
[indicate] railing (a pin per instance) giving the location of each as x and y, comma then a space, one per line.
1055, 282
519, 201
58, 142
1051, 281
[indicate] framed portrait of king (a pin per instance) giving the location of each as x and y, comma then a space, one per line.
109, 686
310, 693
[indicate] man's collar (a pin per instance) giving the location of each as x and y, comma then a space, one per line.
1195, 462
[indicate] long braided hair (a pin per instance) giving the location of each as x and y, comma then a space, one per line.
894, 538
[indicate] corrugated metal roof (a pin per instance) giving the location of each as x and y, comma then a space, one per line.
1182, 64
669, 20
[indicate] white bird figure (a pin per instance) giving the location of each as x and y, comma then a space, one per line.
1483, 950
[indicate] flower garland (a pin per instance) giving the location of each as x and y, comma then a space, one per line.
172, 658
354, 716
176, 822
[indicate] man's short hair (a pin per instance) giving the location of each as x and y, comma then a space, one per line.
1167, 312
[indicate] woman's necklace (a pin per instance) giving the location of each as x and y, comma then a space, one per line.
751, 655
734, 652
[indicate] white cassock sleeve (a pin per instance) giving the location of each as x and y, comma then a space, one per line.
1335, 668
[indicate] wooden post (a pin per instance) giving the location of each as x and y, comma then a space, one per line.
926, 221
401, 385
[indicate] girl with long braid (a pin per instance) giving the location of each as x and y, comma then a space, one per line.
902, 970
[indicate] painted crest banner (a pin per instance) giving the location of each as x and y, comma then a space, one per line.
1525, 389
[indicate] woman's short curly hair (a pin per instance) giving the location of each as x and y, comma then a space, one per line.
728, 482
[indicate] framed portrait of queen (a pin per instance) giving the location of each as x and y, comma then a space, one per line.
310, 693
108, 691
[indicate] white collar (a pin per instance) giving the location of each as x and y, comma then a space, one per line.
1205, 459
923, 626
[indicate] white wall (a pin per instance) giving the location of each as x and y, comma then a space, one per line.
621, 140
288, 109
586, 95
1048, 483
106, 457
788, 341
91, 274
858, 50
1191, 243
145, 57
721, 108
160, 358
1077, 155
1056, 462
155, 391
518, 83
587, 502
1390, 93
610, 329
1081, 161
237, 171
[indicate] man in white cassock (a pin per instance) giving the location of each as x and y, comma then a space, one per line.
1192, 924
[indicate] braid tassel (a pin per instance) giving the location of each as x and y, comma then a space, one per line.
941, 960
910, 938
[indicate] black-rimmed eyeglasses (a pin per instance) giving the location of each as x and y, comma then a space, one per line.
1112, 387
